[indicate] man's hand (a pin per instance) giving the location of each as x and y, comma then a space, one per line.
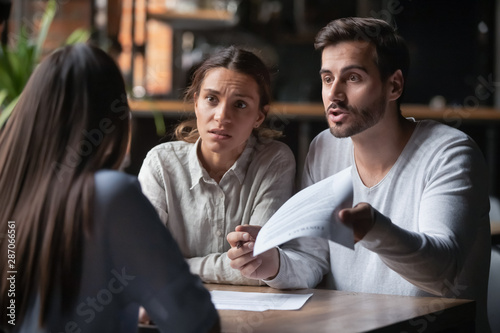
265, 266
360, 218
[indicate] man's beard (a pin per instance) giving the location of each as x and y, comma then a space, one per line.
361, 119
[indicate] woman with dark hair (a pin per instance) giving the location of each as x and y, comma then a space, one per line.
226, 170
74, 231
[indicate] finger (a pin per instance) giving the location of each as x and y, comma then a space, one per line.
241, 227
360, 218
360, 211
250, 269
234, 237
241, 261
235, 252
345, 216
253, 230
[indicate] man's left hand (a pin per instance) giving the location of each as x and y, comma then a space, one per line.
360, 218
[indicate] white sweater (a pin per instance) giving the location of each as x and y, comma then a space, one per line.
431, 235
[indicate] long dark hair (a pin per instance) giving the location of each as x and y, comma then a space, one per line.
71, 120
238, 60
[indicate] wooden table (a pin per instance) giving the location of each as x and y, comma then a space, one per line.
337, 311
340, 311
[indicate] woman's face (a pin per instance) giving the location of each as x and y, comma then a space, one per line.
227, 110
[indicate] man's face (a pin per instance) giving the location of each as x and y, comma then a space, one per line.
353, 93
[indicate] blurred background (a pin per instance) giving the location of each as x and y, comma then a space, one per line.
158, 43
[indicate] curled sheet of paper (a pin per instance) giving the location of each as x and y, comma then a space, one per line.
312, 212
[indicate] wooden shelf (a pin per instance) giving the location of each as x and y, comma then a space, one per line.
201, 18
451, 113
306, 110
165, 106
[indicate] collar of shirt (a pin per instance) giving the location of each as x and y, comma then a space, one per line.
239, 168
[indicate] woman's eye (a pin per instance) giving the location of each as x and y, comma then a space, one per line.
211, 99
327, 79
241, 104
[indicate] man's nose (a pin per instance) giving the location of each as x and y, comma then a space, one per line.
337, 91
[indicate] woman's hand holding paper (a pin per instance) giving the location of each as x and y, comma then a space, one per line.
262, 267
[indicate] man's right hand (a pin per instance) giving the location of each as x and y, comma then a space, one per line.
265, 266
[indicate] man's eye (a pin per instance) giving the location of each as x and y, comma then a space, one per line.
327, 79
353, 78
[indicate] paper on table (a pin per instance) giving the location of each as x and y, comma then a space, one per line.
312, 212
247, 301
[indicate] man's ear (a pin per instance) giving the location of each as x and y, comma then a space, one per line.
396, 85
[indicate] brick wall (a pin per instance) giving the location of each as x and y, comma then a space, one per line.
156, 77
74, 14
70, 15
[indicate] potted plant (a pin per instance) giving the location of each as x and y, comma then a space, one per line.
18, 61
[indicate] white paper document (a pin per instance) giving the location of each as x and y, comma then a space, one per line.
312, 212
247, 301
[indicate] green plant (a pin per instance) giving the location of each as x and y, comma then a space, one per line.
18, 61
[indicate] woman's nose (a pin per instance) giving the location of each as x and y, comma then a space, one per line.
222, 113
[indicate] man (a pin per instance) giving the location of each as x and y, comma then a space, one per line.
420, 218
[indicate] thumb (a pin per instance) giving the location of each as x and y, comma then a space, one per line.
345, 215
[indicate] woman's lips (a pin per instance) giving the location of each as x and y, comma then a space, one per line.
219, 134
